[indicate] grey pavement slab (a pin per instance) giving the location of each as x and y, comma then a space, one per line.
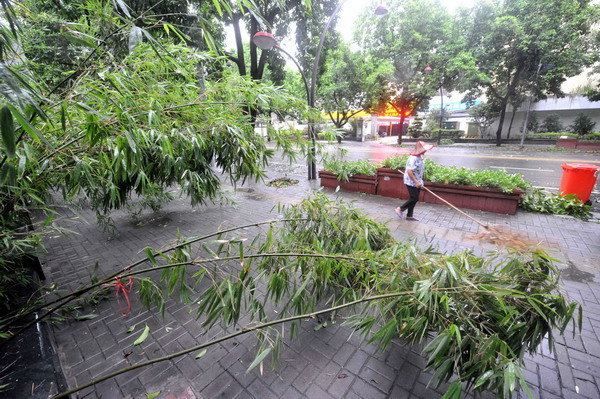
328, 363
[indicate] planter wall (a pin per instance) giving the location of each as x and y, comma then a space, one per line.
360, 183
390, 183
577, 145
471, 197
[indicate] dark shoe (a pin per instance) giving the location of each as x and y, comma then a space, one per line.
411, 218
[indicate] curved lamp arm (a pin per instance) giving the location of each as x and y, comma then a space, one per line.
313, 81
299, 69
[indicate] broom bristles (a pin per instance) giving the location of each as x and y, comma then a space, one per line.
505, 239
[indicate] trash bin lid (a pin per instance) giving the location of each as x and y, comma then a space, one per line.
580, 166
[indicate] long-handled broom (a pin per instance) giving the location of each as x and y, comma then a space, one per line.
492, 234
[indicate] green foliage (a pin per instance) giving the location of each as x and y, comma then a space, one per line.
532, 123
551, 123
396, 162
582, 125
485, 314
413, 35
593, 136
451, 134
484, 114
479, 316
511, 41
126, 125
416, 128
538, 200
456, 175
480, 178
551, 135
432, 121
350, 84
345, 169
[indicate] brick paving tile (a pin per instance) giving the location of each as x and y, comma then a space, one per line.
328, 363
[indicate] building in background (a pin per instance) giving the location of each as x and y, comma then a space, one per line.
567, 108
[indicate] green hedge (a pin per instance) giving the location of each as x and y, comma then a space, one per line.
594, 136
448, 133
456, 175
551, 135
345, 169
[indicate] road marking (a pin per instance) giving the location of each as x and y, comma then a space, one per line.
508, 167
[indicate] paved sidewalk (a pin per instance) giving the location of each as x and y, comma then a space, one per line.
328, 363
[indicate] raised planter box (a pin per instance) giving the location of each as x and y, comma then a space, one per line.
360, 183
471, 197
390, 183
577, 145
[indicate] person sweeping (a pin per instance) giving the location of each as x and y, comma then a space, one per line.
413, 179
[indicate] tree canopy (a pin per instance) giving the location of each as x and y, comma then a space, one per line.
351, 83
413, 35
513, 40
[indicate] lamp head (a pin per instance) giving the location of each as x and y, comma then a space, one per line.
381, 11
264, 40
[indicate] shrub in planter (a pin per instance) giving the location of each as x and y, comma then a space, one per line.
395, 162
415, 130
552, 123
499, 179
350, 176
345, 169
582, 125
452, 134
551, 135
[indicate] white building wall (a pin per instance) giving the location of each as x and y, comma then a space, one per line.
568, 108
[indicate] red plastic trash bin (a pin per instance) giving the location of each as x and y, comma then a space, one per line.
579, 179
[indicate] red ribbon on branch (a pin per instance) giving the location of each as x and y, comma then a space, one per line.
124, 288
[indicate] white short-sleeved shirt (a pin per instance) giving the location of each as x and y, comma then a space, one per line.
417, 165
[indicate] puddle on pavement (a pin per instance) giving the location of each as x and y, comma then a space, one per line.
574, 274
255, 197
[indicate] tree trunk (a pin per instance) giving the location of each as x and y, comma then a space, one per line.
501, 122
511, 122
402, 119
241, 63
509, 92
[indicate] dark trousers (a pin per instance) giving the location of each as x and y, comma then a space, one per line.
412, 201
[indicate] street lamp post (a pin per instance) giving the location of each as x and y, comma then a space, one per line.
267, 41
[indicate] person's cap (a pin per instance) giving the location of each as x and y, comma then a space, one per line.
421, 148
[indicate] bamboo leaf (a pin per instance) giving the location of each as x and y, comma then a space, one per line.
143, 335
131, 141
453, 391
120, 4
201, 353
153, 395
135, 37
509, 379
8, 132
259, 359
32, 131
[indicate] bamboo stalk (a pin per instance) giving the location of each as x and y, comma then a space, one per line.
242, 332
